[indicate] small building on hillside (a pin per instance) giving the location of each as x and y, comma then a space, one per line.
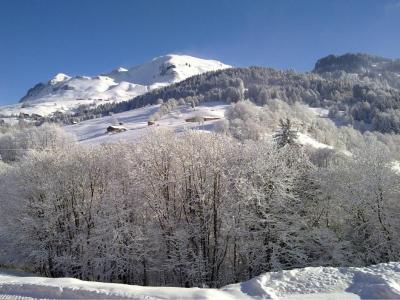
201, 119
210, 119
115, 129
57, 114
23, 115
36, 116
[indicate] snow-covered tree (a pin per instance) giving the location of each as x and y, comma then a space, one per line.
286, 135
195, 209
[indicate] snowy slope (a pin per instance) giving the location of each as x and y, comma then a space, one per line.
135, 121
65, 93
166, 70
375, 282
306, 140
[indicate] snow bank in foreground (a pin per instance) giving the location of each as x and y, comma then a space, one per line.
375, 282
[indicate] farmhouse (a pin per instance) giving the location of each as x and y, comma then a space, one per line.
201, 119
36, 116
116, 129
23, 115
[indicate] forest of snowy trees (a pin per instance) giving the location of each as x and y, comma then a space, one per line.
195, 209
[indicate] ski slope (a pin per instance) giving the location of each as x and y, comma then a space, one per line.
326, 283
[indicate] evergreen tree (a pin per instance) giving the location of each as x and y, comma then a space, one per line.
286, 135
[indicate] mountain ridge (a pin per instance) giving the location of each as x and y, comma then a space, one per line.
356, 63
66, 93
368, 99
364, 66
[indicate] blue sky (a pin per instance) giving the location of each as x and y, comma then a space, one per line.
39, 38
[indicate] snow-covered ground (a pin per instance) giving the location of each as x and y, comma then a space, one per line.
319, 111
64, 93
135, 121
375, 282
306, 140
396, 166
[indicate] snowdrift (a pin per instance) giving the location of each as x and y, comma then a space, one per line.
375, 282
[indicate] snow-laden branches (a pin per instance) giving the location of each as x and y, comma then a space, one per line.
195, 209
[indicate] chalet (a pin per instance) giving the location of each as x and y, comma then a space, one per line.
195, 119
57, 114
210, 119
116, 129
201, 119
23, 115
36, 116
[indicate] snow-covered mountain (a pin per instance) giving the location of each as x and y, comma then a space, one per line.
65, 93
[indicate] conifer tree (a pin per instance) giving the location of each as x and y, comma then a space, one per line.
286, 135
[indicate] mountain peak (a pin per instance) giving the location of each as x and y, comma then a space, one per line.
59, 77
118, 70
65, 93
167, 69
